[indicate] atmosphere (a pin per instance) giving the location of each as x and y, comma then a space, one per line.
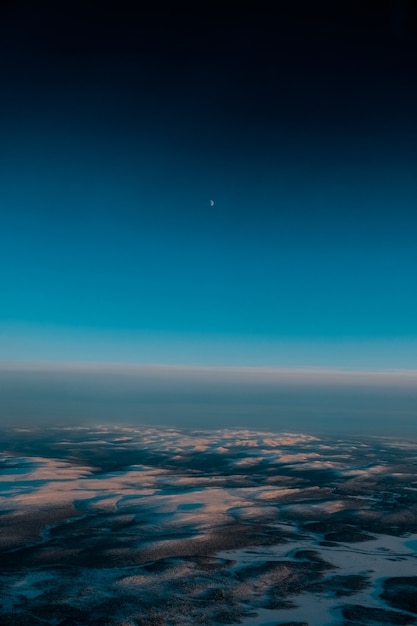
225, 190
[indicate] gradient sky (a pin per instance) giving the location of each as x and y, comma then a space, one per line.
118, 127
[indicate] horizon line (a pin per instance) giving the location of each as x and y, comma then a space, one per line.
129, 365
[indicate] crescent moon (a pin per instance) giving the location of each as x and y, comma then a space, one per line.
211, 202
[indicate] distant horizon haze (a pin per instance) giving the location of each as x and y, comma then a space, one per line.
310, 400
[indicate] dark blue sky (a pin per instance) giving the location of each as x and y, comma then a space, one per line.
119, 125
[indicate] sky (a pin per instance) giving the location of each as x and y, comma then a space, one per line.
118, 128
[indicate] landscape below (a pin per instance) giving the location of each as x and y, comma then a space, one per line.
143, 526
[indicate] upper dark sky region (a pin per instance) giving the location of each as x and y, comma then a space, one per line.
119, 124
